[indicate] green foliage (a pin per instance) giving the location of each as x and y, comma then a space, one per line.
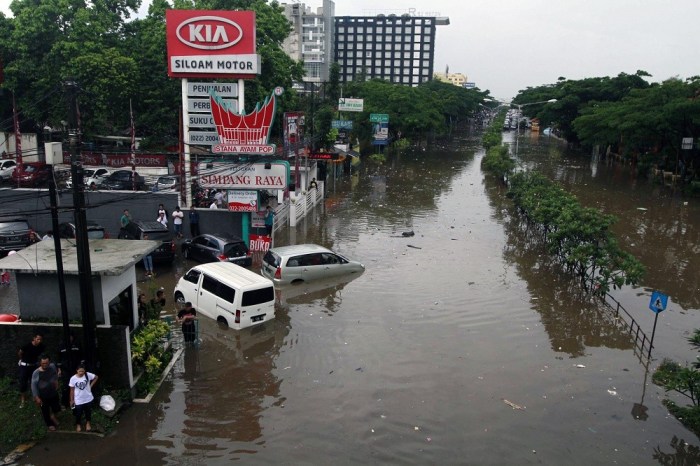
498, 162
149, 353
19, 425
579, 237
377, 158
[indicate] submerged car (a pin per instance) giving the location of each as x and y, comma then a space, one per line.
31, 174
306, 262
167, 183
94, 230
153, 231
91, 175
212, 248
6, 169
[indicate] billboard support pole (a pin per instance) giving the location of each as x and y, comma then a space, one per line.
186, 143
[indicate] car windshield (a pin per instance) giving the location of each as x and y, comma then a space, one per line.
272, 259
29, 168
166, 181
158, 235
97, 233
13, 226
88, 173
235, 249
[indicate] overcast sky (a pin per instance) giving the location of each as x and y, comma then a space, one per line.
507, 45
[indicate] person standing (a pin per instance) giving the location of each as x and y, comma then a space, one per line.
148, 260
213, 205
178, 215
45, 391
70, 355
187, 317
81, 396
124, 221
219, 198
269, 220
162, 219
161, 210
313, 184
28, 360
193, 217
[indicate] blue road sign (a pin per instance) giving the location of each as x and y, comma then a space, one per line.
658, 302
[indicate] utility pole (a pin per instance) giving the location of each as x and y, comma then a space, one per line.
53, 198
87, 299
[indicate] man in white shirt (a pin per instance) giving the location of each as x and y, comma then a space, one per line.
178, 215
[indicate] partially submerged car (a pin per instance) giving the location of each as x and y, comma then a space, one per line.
305, 262
214, 248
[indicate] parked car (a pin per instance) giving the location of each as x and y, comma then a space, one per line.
123, 180
167, 183
31, 174
305, 262
94, 230
211, 248
15, 233
92, 175
156, 232
6, 169
227, 293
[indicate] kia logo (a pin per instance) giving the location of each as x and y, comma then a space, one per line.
209, 33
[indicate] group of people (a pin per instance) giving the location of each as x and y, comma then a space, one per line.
162, 217
50, 383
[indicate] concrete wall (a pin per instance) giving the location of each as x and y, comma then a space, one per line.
113, 352
106, 207
38, 297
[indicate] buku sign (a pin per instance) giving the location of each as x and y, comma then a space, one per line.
211, 43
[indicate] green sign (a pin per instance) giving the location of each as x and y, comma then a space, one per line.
378, 118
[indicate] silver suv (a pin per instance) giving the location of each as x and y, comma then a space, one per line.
306, 262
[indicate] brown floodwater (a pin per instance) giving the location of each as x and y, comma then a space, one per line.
462, 344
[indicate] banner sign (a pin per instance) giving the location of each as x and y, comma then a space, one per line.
119, 160
195, 105
350, 105
204, 138
293, 126
255, 176
211, 43
324, 156
380, 134
242, 201
341, 124
259, 243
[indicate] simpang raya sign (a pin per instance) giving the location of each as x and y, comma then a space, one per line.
255, 176
211, 43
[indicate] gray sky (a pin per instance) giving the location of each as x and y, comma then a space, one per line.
508, 45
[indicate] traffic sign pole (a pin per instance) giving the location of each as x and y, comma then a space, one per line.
653, 332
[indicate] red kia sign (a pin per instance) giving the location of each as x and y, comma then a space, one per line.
211, 43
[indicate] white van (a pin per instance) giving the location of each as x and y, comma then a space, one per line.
227, 293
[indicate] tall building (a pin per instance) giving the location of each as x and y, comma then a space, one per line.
311, 39
400, 49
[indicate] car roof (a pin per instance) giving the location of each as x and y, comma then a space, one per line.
150, 225
222, 238
284, 251
89, 224
234, 273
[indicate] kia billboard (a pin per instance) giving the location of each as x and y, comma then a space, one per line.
211, 43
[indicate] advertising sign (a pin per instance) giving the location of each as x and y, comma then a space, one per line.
293, 125
211, 43
203, 105
120, 160
350, 105
259, 243
380, 134
255, 176
242, 201
243, 133
204, 138
203, 89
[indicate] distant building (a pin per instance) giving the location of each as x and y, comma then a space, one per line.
456, 79
400, 49
311, 40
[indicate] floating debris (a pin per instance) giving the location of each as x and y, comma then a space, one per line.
580, 366
642, 208
513, 405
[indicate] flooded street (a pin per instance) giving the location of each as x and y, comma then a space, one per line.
462, 344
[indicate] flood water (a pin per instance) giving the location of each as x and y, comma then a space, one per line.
462, 344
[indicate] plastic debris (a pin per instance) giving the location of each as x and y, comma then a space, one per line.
513, 405
580, 366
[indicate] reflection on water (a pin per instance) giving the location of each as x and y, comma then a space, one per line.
412, 361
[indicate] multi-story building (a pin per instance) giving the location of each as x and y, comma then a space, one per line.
456, 79
311, 39
400, 49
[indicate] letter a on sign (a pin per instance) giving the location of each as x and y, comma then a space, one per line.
658, 302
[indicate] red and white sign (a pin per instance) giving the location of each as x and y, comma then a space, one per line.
211, 43
259, 243
243, 133
256, 176
242, 201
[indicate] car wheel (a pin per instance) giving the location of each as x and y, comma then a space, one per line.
180, 299
222, 321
